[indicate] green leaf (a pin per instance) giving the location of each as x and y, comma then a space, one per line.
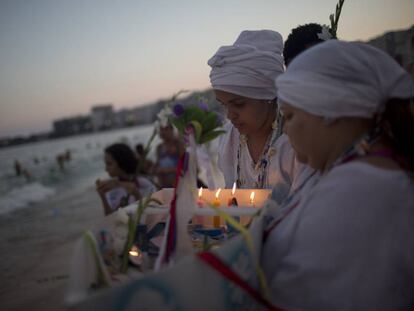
198, 128
179, 124
210, 122
194, 113
211, 135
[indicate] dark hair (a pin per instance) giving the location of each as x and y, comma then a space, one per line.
399, 125
124, 157
139, 148
301, 38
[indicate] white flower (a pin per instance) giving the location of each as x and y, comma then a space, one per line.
325, 34
163, 115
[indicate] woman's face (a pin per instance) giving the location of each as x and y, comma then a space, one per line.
246, 114
111, 166
309, 135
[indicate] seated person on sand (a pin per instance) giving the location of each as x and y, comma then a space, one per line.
125, 185
253, 153
168, 153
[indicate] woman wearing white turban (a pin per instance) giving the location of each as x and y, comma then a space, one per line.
252, 153
345, 240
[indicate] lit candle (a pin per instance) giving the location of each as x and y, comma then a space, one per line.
252, 198
134, 251
216, 203
200, 193
135, 255
198, 220
233, 201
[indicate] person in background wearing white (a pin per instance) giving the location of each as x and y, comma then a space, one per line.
253, 152
125, 185
344, 241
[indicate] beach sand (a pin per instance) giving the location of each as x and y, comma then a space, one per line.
36, 248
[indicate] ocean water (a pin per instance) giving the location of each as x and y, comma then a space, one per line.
47, 179
41, 217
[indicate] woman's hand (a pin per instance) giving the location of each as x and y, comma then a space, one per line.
103, 186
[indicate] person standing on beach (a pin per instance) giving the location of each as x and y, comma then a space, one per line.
17, 167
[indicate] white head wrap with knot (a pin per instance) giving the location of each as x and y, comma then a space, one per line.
249, 66
343, 79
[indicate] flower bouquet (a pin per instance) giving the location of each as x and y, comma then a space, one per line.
197, 125
196, 119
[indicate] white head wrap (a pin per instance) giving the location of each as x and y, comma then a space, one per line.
249, 66
343, 79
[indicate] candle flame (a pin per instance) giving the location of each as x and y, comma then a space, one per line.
218, 192
200, 192
234, 189
134, 251
252, 197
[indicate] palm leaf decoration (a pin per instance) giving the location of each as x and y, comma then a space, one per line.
334, 18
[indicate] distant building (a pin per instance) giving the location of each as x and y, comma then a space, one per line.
148, 113
103, 117
125, 118
72, 126
398, 44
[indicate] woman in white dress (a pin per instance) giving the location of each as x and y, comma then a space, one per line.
253, 153
344, 241
125, 185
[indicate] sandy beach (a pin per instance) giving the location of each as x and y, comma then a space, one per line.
36, 247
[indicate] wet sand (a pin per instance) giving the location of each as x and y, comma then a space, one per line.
36, 247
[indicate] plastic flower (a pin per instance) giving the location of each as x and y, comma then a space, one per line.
178, 110
203, 106
163, 116
325, 34
198, 120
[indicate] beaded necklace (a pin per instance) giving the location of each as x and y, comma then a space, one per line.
264, 160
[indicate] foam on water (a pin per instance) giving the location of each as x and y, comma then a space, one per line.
23, 196
46, 178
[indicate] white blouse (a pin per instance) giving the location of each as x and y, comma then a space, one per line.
348, 245
114, 196
283, 168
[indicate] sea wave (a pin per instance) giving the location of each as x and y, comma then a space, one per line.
23, 196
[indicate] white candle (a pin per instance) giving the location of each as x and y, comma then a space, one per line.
252, 198
199, 201
216, 203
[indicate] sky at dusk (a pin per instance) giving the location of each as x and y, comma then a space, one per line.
58, 58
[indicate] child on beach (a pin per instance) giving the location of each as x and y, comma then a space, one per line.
125, 185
